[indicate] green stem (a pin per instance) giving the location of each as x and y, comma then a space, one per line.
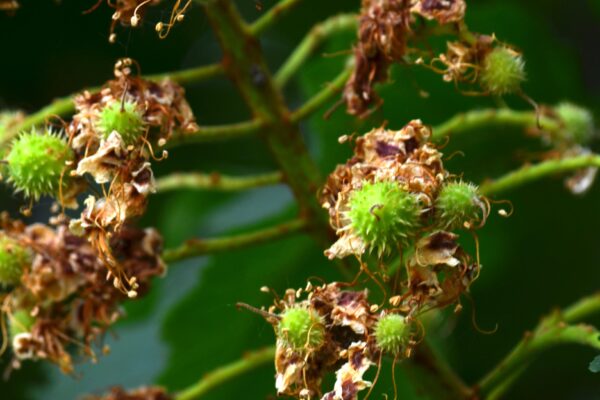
482, 119
217, 132
216, 181
245, 65
271, 16
199, 247
553, 330
189, 76
316, 36
326, 94
227, 373
64, 105
583, 309
531, 173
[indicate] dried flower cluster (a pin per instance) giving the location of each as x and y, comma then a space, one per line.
393, 197
65, 281
404, 161
383, 36
345, 324
62, 300
122, 159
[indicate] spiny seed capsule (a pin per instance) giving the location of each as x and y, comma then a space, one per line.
578, 122
20, 322
14, 258
391, 333
502, 72
457, 203
36, 163
301, 328
125, 118
383, 214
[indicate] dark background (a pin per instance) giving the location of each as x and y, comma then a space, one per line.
546, 255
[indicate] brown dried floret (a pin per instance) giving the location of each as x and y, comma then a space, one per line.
142, 393
440, 272
462, 60
382, 35
349, 378
443, 11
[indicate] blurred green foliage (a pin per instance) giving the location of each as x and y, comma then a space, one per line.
546, 255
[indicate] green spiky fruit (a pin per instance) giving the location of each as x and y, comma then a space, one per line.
391, 333
578, 122
301, 328
14, 258
20, 321
36, 163
383, 214
502, 72
124, 118
457, 203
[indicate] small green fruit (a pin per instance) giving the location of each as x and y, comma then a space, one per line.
457, 203
391, 333
36, 163
502, 72
578, 122
383, 214
20, 321
301, 328
124, 118
14, 258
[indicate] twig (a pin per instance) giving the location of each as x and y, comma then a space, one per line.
481, 119
226, 373
531, 173
326, 94
247, 68
316, 36
271, 16
553, 330
198, 247
217, 133
216, 181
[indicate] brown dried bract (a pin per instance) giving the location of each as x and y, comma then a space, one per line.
443, 11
